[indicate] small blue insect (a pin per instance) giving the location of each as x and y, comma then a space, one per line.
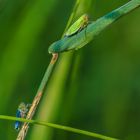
21, 113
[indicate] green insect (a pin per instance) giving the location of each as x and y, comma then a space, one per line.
77, 26
74, 29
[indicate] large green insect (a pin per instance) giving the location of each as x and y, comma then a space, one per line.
74, 29
77, 26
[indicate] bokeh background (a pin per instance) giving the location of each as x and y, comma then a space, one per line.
96, 88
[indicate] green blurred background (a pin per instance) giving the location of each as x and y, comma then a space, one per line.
96, 88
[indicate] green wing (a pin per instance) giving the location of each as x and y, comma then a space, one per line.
78, 25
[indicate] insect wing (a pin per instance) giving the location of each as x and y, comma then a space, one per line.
76, 26
73, 29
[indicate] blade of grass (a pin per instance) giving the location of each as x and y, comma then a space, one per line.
81, 39
41, 90
52, 102
57, 126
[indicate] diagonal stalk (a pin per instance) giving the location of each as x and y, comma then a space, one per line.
24, 129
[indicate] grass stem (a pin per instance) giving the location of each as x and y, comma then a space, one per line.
25, 126
57, 126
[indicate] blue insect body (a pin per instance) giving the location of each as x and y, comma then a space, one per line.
18, 123
21, 113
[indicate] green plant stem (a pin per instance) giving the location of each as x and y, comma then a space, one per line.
85, 36
37, 98
24, 129
57, 126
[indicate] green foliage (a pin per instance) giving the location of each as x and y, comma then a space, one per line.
95, 89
